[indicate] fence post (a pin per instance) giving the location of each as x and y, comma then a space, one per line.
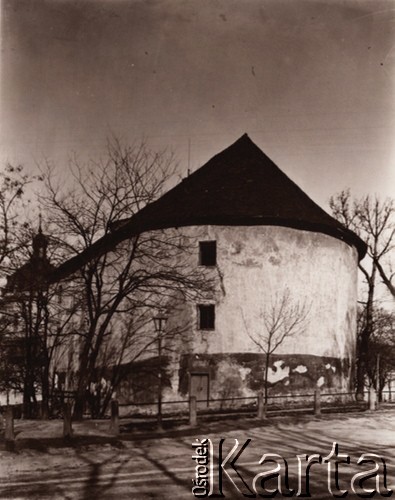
317, 402
67, 424
192, 411
372, 398
261, 406
9, 429
114, 424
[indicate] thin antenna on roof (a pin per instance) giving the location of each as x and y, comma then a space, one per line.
189, 156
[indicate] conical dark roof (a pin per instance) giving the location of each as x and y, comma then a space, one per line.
239, 186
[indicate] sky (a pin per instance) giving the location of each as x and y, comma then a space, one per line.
311, 81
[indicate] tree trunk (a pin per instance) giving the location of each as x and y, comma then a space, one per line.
45, 393
361, 369
363, 345
83, 379
28, 397
266, 379
80, 400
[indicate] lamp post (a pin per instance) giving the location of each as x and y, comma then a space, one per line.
160, 325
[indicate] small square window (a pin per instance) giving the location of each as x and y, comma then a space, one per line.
207, 253
206, 316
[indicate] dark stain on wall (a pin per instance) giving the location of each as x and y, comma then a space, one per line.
140, 380
247, 370
235, 375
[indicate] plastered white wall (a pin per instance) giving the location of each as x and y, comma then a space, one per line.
254, 263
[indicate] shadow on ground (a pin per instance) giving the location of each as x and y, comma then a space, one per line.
140, 430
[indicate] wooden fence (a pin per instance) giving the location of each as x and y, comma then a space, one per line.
315, 403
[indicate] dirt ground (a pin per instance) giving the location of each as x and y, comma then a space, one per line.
142, 464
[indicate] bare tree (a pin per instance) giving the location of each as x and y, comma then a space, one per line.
13, 183
387, 275
10, 375
376, 220
39, 325
372, 220
381, 362
281, 319
138, 355
146, 270
14, 242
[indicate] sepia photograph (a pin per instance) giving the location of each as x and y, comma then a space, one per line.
197, 249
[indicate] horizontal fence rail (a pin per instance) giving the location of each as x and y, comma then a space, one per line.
192, 413
316, 403
308, 402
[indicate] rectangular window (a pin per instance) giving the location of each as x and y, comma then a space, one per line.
206, 316
207, 253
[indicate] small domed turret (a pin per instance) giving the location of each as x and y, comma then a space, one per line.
40, 244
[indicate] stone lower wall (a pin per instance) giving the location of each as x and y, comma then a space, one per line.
234, 376
242, 375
